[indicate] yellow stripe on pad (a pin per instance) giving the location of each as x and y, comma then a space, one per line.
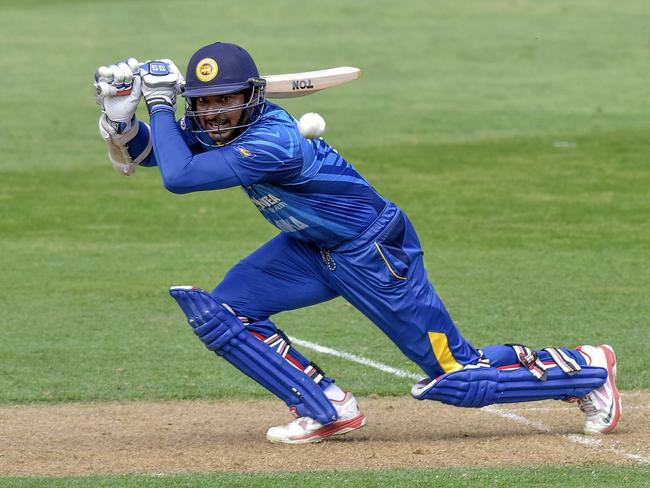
443, 353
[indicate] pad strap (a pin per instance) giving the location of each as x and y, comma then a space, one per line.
563, 360
280, 342
314, 372
222, 332
530, 361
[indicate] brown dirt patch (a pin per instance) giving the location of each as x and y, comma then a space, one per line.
175, 437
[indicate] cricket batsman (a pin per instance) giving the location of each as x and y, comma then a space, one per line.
338, 237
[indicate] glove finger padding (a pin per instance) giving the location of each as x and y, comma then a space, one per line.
121, 108
102, 85
118, 74
180, 80
105, 74
161, 82
115, 79
161, 73
118, 92
126, 72
134, 64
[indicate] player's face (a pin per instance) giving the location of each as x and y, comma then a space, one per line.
220, 124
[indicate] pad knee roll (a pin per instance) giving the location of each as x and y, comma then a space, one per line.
222, 332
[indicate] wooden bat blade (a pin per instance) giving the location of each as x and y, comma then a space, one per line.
292, 85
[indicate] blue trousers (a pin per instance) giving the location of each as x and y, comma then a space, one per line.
381, 273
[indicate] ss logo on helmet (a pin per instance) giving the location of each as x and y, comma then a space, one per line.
206, 69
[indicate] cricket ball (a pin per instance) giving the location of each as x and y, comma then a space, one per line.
311, 125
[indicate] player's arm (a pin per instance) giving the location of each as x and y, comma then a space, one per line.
182, 170
118, 92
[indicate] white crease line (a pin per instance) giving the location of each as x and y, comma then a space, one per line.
587, 441
572, 408
356, 359
598, 443
590, 442
507, 414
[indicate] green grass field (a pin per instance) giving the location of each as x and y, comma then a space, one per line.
514, 133
460, 478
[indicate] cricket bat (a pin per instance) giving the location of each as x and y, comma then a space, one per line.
288, 85
300, 84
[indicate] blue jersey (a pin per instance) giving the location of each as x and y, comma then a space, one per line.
303, 187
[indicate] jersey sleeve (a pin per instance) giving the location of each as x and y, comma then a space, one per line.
268, 152
140, 148
181, 169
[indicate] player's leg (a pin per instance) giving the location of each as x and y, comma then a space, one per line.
399, 298
385, 279
586, 375
281, 275
602, 406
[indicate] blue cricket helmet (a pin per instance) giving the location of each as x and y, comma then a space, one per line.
218, 69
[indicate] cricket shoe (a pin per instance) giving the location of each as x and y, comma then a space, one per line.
307, 429
602, 406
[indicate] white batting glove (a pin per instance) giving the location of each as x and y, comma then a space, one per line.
118, 92
161, 82
116, 143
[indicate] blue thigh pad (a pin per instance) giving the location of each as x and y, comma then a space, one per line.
223, 333
481, 386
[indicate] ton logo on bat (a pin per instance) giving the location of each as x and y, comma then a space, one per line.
301, 84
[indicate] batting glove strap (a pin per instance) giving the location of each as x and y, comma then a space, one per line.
119, 128
160, 103
117, 132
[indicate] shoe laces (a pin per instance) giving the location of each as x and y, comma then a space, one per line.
304, 421
588, 405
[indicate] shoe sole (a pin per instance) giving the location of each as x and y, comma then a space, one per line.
610, 356
336, 428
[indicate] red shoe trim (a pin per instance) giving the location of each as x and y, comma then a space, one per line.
336, 427
579, 348
610, 356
